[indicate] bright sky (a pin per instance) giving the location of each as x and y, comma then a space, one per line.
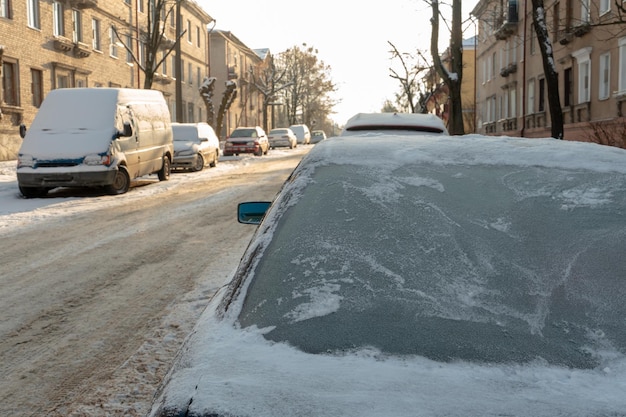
350, 37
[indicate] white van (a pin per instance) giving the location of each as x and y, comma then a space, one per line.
302, 132
86, 137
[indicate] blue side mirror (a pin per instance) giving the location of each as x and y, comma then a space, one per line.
252, 212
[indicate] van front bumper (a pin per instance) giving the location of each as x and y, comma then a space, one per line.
52, 179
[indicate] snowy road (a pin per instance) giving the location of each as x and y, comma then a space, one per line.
97, 292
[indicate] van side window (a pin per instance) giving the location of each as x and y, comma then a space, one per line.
123, 116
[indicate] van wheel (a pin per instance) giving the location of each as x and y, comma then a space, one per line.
121, 182
215, 158
33, 192
199, 163
164, 172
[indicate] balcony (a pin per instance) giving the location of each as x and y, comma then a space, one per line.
62, 44
232, 73
508, 23
565, 36
83, 4
81, 50
509, 69
582, 30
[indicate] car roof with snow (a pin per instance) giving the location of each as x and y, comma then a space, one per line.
396, 123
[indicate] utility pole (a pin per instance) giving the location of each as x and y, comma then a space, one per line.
179, 66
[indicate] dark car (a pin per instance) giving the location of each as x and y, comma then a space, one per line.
420, 276
247, 140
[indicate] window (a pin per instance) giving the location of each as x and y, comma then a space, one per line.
10, 83
542, 95
533, 40
582, 57
34, 16
585, 11
199, 75
140, 6
5, 9
95, 29
605, 6
142, 53
174, 69
36, 79
58, 28
198, 36
182, 70
622, 65
129, 45
190, 113
77, 18
190, 73
112, 43
531, 97
567, 87
605, 76
164, 64
513, 103
189, 38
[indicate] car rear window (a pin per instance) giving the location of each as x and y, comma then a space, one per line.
480, 263
243, 133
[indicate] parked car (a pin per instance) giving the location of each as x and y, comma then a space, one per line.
318, 136
195, 146
396, 123
247, 140
471, 276
95, 137
302, 132
282, 137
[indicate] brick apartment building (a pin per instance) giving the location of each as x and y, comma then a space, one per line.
511, 94
47, 44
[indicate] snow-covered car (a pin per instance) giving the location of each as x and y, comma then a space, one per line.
414, 276
195, 146
247, 140
394, 123
282, 137
318, 136
302, 132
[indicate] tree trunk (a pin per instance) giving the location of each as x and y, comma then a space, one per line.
549, 69
453, 77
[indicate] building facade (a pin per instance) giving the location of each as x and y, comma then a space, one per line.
589, 56
233, 62
46, 45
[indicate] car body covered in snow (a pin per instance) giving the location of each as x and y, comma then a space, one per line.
195, 146
396, 123
88, 137
282, 137
414, 276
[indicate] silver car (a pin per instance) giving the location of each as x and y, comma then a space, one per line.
417, 276
282, 137
195, 146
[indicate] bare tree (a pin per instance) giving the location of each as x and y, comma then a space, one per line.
549, 69
207, 89
270, 82
152, 39
227, 100
451, 77
409, 79
307, 96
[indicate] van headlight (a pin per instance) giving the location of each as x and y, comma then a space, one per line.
97, 160
25, 161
